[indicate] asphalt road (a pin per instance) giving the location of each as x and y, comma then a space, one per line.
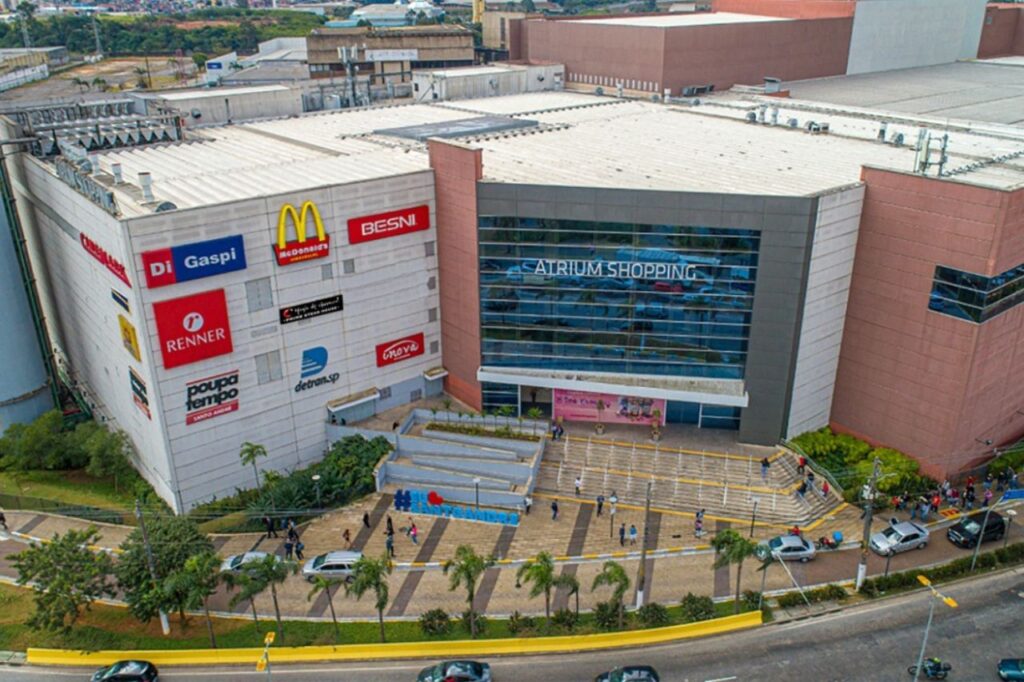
876, 641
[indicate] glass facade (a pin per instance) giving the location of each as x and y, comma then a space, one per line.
670, 300
976, 297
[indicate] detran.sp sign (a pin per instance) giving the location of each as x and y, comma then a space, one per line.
211, 397
193, 261
302, 248
390, 224
193, 328
400, 349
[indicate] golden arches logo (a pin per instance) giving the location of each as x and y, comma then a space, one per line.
300, 250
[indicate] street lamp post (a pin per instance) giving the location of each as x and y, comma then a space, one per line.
981, 532
935, 596
1010, 513
316, 484
753, 516
613, 503
476, 486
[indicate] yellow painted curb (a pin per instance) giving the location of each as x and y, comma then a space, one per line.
367, 652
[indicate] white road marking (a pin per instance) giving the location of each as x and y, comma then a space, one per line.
723, 679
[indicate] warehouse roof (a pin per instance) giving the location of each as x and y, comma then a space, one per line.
682, 19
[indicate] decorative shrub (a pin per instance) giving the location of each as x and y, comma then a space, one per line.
564, 618
653, 615
481, 622
435, 622
751, 599
830, 592
697, 607
606, 615
518, 623
482, 431
1013, 554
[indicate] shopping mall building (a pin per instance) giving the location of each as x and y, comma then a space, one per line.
747, 263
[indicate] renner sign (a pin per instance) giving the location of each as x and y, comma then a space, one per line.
400, 349
193, 328
390, 224
193, 261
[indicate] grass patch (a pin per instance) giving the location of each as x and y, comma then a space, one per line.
503, 431
71, 487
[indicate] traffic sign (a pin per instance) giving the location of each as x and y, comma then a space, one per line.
261, 664
269, 639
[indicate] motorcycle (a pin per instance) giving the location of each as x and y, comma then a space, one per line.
933, 669
825, 542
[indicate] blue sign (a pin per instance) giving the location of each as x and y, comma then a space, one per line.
194, 261
417, 502
314, 360
1015, 494
214, 66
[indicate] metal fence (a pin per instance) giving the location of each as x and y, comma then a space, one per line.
98, 514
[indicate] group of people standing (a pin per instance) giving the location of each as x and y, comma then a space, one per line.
293, 547
966, 498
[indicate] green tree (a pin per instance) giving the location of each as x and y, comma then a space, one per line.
101, 84
534, 414
614, 575
529, 7
271, 572
81, 83
107, 454
507, 411
328, 585
465, 570
67, 577
198, 580
733, 548
371, 575
539, 572
37, 445
199, 59
174, 539
249, 453
247, 591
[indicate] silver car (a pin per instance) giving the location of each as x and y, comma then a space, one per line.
790, 548
899, 537
237, 562
332, 565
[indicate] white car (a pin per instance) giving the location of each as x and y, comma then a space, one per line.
790, 548
237, 562
332, 565
899, 537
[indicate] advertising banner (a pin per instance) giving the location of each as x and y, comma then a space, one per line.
580, 406
304, 311
211, 397
193, 328
129, 337
390, 224
104, 257
139, 393
314, 362
400, 349
193, 261
301, 249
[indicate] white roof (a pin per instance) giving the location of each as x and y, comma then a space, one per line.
676, 19
468, 71
220, 92
525, 105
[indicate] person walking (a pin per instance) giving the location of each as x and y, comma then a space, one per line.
389, 545
299, 547
554, 510
288, 548
764, 468
578, 483
390, 525
802, 490
632, 534
527, 502
698, 525
554, 430
987, 484
600, 504
810, 480
622, 535
925, 505
824, 490
3, 523
347, 538
414, 532
366, 519
801, 464
269, 523
986, 498
290, 525
970, 497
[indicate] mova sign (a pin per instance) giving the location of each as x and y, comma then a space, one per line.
423, 502
400, 349
193, 261
616, 269
390, 224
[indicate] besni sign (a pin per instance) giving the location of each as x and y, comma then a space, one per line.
400, 349
390, 224
193, 261
304, 311
211, 397
314, 361
302, 248
104, 257
193, 328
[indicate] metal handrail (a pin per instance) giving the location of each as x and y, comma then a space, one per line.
817, 468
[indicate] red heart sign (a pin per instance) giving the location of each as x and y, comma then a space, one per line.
434, 499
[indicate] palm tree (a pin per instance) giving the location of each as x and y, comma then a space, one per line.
733, 548
613, 574
447, 402
248, 588
198, 580
371, 575
466, 569
141, 80
271, 572
507, 411
322, 584
249, 453
81, 83
534, 413
540, 573
101, 84
570, 583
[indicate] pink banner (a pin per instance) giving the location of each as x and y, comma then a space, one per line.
615, 409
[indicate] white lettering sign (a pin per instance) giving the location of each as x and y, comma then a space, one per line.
616, 269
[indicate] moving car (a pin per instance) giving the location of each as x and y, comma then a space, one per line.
630, 673
237, 562
899, 537
332, 565
456, 671
1011, 669
966, 531
127, 671
791, 548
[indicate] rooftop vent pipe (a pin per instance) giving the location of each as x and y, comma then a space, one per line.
115, 169
146, 182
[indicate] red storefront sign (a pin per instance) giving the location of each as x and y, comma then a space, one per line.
108, 261
193, 328
401, 349
390, 224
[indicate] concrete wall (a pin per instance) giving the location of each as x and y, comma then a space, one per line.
1002, 33
911, 378
821, 329
794, 9
227, 105
900, 34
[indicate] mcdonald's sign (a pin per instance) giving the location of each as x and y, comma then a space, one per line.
302, 249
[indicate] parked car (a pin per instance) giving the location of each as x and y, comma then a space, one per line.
630, 673
1011, 669
790, 548
966, 531
456, 671
127, 671
899, 537
332, 565
237, 562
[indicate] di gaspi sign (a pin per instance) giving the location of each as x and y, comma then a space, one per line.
303, 247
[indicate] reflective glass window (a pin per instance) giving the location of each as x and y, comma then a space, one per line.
975, 297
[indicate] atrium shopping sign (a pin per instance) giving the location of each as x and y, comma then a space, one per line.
617, 269
301, 249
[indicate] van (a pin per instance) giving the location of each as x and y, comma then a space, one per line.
332, 565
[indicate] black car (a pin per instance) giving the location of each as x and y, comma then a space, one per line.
630, 673
127, 671
965, 532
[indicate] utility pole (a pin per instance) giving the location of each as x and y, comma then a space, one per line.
869, 498
164, 625
96, 35
24, 31
641, 573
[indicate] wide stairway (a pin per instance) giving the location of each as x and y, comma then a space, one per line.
726, 485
